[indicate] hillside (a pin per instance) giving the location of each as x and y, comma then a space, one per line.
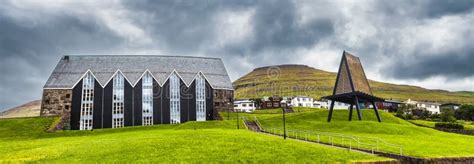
415, 141
23, 140
291, 80
31, 109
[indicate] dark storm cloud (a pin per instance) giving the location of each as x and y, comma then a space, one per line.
452, 63
424, 8
276, 26
29, 50
33, 39
446, 64
438, 8
181, 26
185, 26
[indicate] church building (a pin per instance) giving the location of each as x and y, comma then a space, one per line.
113, 91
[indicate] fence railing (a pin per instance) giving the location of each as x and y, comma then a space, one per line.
335, 139
258, 122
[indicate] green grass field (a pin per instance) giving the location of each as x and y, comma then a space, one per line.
24, 140
467, 125
416, 141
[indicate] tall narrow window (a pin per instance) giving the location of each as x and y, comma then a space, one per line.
174, 100
118, 101
147, 99
200, 98
87, 103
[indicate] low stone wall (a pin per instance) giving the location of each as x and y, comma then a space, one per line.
459, 131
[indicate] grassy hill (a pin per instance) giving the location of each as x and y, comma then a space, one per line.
416, 141
31, 109
303, 80
24, 140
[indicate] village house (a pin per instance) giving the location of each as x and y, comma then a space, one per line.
324, 103
389, 105
320, 104
244, 105
302, 101
430, 106
271, 102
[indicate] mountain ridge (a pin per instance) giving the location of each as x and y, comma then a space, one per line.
294, 79
30, 109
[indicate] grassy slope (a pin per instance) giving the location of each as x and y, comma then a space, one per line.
417, 141
213, 141
316, 83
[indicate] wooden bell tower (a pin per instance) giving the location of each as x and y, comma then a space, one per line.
352, 87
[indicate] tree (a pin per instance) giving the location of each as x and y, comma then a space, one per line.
465, 112
421, 113
404, 111
447, 115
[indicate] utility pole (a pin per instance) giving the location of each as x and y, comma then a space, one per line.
238, 119
284, 122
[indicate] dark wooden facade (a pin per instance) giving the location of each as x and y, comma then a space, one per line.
102, 112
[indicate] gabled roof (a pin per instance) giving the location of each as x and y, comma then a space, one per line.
70, 69
351, 76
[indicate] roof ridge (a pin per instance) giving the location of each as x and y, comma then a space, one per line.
177, 56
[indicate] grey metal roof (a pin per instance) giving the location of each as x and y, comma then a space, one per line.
69, 71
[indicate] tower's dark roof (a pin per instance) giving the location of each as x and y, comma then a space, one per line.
351, 74
70, 69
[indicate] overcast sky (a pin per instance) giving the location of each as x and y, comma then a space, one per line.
425, 43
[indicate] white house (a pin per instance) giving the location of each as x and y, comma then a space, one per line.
244, 105
320, 104
430, 106
302, 101
326, 103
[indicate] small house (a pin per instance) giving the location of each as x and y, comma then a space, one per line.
244, 105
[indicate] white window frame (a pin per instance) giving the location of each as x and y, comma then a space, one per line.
175, 106
118, 106
87, 102
147, 99
200, 98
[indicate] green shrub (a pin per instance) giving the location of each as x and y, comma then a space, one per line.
449, 125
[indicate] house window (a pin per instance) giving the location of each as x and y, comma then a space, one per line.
87, 103
174, 100
244, 105
147, 99
269, 104
118, 101
68, 96
250, 105
200, 98
275, 104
